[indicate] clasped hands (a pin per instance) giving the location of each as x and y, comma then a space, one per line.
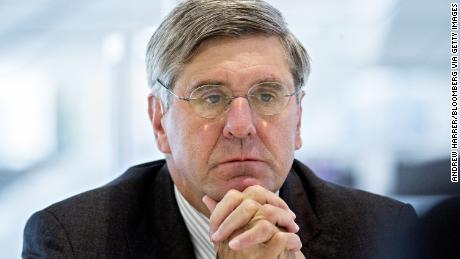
255, 223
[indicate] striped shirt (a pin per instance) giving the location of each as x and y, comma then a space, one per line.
198, 226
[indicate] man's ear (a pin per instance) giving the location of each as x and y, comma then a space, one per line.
298, 138
156, 114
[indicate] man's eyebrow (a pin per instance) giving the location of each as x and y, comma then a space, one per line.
268, 79
199, 83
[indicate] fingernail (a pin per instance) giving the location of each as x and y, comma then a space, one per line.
292, 213
215, 236
233, 244
204, 200
296, 227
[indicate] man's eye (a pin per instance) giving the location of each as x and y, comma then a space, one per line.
213, 99
266, 97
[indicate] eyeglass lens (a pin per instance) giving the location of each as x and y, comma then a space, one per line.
268, 98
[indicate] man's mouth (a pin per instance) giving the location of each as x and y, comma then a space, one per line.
241, 159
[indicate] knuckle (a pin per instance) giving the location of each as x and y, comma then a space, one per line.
265, 225
253, 189
233, 195
250, 205
212, 219
296, 243
295, 238
269, 211
299, 242
248, 191
280, 237
249, 238
259, 189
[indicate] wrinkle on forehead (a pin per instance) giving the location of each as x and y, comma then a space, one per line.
221, 60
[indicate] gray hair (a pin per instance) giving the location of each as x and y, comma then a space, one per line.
178, 37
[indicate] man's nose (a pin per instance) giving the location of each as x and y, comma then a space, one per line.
239, 123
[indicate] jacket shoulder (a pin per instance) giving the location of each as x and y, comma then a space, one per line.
355, 210
118, 193
78, 223
344, 197
359, 223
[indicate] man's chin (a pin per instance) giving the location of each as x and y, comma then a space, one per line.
240, 183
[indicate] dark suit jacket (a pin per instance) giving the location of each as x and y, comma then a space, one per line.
136, 216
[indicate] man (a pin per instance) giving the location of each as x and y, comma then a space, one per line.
225, 108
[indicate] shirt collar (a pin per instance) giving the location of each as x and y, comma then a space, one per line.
198, 226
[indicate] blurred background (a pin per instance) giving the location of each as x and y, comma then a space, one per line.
73, 110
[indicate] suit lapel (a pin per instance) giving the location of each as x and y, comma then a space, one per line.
161, 233
294, 193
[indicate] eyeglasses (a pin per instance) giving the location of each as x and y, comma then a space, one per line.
210, 101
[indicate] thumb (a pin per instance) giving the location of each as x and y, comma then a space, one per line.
210, 203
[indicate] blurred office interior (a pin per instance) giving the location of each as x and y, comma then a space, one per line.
73, 110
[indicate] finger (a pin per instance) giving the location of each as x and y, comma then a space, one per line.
230, 201
264, 196
260, 232
246, 213
233, 198
293, 242
299, 255
282, 242
210, 203
280, 217
238, 218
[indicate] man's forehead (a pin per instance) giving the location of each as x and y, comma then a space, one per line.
226, 79
230, 60
250, 42
236, 80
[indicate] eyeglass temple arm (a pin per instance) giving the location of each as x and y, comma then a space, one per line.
299, 90
171, 92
